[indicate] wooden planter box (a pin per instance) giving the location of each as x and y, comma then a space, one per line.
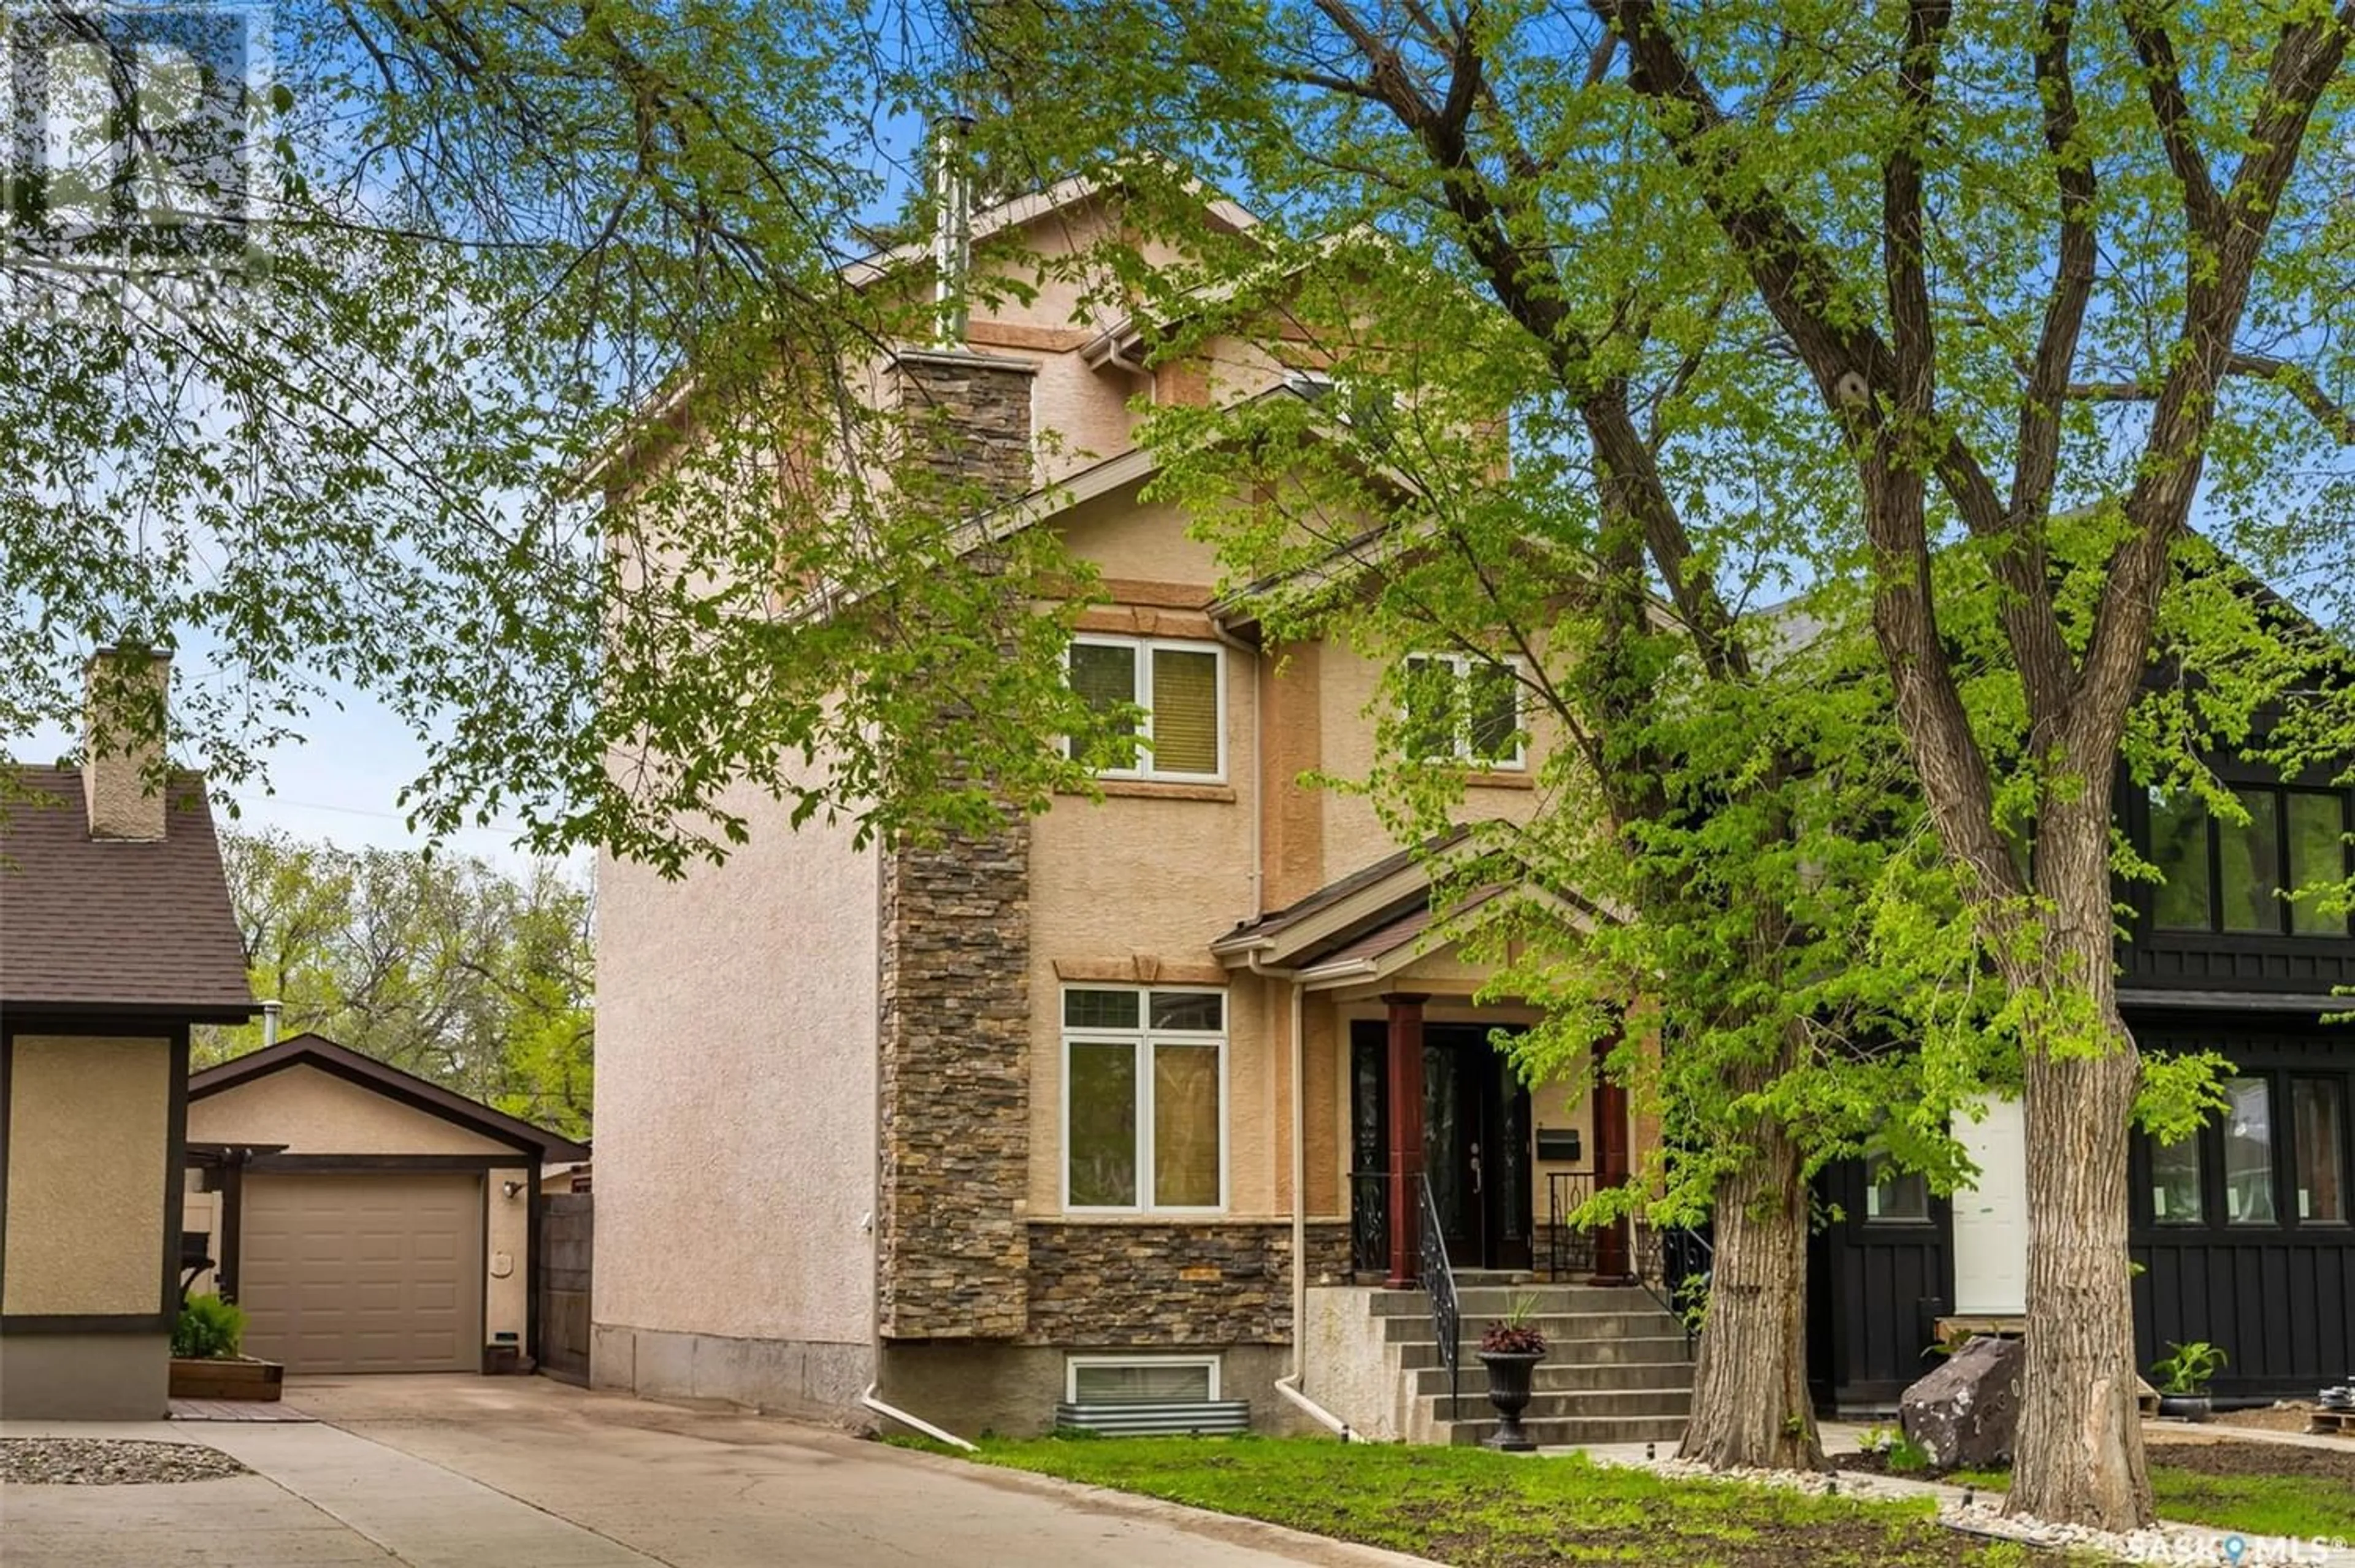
226, 1377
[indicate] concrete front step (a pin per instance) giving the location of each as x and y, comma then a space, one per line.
1561, 1350
1557, 1326
1573, 1403
1577, 1432
1550, 1377
1485, 1301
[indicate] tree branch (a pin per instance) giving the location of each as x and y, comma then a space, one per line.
2163, 81
2296, 379
2037, 463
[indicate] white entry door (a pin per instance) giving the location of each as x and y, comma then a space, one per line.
1992, 1221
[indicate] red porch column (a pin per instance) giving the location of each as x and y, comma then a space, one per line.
1613, 1262
1406, 1136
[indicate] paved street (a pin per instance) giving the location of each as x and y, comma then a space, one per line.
454, 1472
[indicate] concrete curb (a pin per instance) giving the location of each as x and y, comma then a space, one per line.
1235, 1530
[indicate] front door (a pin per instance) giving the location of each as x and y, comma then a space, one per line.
1991, 1219
1476, 1131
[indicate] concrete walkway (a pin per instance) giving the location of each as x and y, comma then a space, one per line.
527, 1473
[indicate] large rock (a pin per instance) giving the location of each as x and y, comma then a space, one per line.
1963, 1414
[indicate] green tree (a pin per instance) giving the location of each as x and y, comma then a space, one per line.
396, 407
1885, 249
477, 979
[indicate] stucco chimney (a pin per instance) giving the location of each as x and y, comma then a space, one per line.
122, 742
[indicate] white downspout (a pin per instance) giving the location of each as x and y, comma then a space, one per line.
1289, 1385
914, 1423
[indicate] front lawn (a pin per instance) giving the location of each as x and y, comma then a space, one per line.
1468, 1507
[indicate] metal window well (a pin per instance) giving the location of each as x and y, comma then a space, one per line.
1158, 1418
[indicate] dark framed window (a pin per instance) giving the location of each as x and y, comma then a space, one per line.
2248, 1128
2318, 1118
2177, 1197
1897, 1198
2235, 877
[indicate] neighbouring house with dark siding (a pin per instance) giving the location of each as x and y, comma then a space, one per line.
2245, 1232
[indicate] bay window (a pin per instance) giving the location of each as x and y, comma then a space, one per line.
1143, 1098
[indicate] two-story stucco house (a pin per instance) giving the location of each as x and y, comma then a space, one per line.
1074, 1113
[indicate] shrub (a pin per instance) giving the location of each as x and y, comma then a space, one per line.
2187, 1371
209, 1328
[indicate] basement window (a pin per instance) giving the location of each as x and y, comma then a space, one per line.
1140, 1380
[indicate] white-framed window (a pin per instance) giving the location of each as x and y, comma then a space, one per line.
1145, 1097
1456, 708
1140, 1380
1181, 686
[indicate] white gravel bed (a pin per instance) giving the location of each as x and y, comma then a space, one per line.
109, 1462
1983, 1514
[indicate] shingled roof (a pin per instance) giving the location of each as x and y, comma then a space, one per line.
110, 926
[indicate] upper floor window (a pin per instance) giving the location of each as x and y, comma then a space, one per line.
2231, 876
1145, 1088
1181, 688
1465, 710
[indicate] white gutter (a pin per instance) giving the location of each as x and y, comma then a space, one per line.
916, 1423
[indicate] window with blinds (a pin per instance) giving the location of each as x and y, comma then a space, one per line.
1144, 1097
1454, 707
1168, 698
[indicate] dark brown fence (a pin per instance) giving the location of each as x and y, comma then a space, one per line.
565, 1226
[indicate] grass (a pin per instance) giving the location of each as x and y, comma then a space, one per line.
1478, 1509
2293, 1505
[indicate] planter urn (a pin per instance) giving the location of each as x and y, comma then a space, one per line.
2194, 1407
1508, 1391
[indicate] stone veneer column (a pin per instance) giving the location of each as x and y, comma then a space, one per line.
953, 1252
953, 1249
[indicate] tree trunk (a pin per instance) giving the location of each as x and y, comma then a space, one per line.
1751, 1405
2078, 1458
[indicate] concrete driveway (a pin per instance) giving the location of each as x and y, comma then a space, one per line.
456, 1472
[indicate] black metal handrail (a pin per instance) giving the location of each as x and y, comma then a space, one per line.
1369, 1220
1439, 1284
1568, 1249
1674, 1264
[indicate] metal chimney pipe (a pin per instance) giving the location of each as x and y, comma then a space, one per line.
952, 231
270, 1023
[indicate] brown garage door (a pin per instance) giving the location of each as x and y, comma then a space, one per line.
364, 1274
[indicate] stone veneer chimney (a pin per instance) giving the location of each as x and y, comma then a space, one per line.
967, 421
123, 784
953, 1244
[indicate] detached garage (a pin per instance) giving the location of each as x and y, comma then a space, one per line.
367, 1220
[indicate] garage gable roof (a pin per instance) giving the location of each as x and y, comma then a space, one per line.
317, 1051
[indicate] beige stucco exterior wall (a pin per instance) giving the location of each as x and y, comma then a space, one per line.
736, 1084
89, 1124
1352, 834
1150, 879
506, 1254
312, 1112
